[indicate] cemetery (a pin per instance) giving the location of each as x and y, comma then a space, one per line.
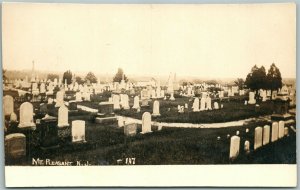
109, 123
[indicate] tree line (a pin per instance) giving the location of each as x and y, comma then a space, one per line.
69, 78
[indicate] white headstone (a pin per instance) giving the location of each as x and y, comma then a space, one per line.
274, 136
208, 103
59, 99
234, 147
281, 129
172, 96
116, 101
202, 104
196, 105
286, 131
125, 102
136, 102
26, 115
121, 121
8, 105
13, 117
186, 106
78, 131
63, 116
266, 135
156, 108
258, 138
251, 98
146, 123
42, 88
247, 147
216, 105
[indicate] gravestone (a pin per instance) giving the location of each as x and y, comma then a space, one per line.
42, 88
8, 105
251, 98
234, 147
136, 102
258, 138
202, 104
15, 145
13, 117
72, 106
186, 106
264, 95
208, 103
26, 116
106, 113
196, 105
281, 108
144, 103
130, 129
78, 131
216, 105
156, 108
266, 135
274, 136
63, 116
125, 102
48, 132
247, 147
144, 94
116, 101
121, 121
286, 131
59, 99
280, 129
221, 94
159, 127
146, 123
172, 96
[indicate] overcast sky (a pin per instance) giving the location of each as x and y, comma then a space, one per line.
197, 40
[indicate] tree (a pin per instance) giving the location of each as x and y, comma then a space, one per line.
256, 79
239, 82
52, 76
90, 77
274, 80
119, 76
211, 82
79, 80
67, 76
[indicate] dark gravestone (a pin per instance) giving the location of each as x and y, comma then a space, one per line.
106, 108
130, 129
43, 109
15, 145
72, 106
48, 132
280, 109
105, 113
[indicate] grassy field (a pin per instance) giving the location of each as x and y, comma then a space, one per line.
107, 144
233, 110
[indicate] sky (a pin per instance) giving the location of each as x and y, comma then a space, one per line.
222, 41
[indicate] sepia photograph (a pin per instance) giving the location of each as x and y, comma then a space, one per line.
134, 87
